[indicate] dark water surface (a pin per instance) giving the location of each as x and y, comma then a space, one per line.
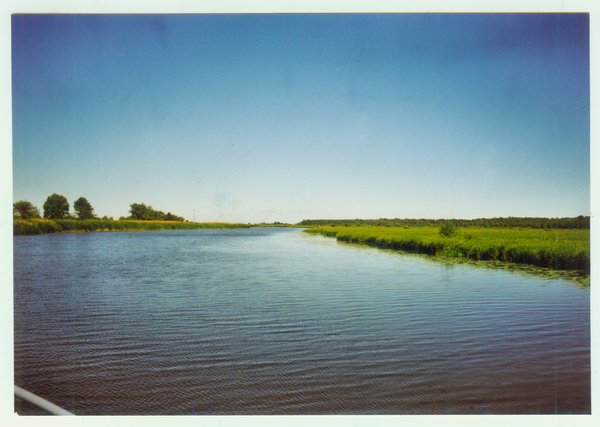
276, 321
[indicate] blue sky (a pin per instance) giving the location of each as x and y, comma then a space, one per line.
252, 118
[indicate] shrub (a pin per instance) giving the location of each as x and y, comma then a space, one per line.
448, 229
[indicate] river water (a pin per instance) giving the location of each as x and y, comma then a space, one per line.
277, 321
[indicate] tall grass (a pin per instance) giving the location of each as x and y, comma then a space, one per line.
44, 226
557, 249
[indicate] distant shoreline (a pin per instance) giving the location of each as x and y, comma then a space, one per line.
51, 226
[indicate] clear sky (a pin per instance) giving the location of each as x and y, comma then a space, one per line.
252, 118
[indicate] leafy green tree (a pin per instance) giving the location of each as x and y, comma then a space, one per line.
140, 211
25, 210
56, 207
83, 208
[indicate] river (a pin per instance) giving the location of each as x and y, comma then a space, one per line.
277, 321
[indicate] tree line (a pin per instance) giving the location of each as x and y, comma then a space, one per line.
57, 207
580, 222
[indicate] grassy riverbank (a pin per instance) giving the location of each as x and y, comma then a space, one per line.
557, 249
45, 226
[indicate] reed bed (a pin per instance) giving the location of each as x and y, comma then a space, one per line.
559, 249
45, 226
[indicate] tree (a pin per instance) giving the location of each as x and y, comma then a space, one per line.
83, 208
56, 207
141, 211
25, 210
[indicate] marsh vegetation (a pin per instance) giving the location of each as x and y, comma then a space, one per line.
559, 249
44, 226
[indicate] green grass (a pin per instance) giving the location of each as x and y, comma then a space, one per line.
556, 249
45, 226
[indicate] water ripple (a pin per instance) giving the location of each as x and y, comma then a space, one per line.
277, 322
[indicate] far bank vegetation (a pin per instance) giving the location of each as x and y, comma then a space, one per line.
57, 218
580, 222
